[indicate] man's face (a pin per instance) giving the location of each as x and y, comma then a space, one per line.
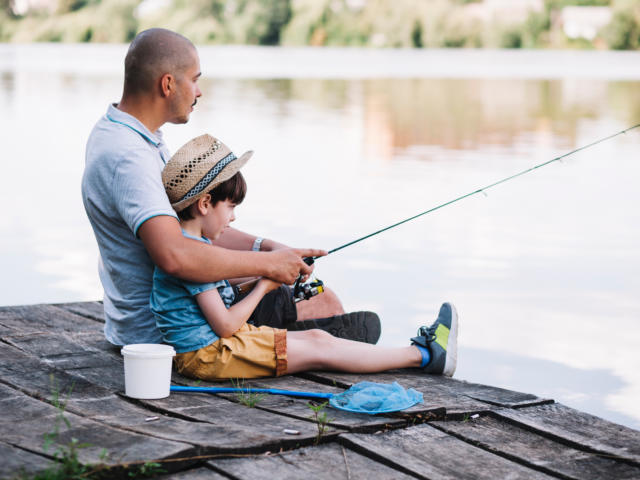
187, 91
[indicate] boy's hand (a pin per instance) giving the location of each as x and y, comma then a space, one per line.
287, 264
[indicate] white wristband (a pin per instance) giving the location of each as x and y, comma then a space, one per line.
256, 244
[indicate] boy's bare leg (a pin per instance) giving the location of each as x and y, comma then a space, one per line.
327, 304
318, 350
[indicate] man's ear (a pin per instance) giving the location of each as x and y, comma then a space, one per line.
167, 84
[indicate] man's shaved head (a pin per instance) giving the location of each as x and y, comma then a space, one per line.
153, 53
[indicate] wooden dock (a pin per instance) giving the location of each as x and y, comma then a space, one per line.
462, 430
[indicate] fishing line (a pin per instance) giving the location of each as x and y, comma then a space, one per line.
482, 190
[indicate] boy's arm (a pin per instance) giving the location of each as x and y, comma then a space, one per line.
196, 261
225, 322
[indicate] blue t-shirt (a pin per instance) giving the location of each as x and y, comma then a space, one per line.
178, 316
121, 189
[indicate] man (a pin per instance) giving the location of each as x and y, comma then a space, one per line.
133, 221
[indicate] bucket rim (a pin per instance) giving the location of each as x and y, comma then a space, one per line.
148, 350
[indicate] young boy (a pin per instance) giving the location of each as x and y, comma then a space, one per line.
210, 332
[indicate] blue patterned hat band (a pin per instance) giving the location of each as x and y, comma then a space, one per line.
210, 176
197, 167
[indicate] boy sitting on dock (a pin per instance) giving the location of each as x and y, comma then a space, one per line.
208, 326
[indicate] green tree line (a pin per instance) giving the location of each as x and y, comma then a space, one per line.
363, 23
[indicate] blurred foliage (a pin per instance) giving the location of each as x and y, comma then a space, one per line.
366, 23
254, 22
95, 21
623, 33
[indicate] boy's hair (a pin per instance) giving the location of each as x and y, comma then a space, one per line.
234, 189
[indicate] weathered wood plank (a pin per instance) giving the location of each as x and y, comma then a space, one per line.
36, 418
428, 453
299, 408
16, 461
240, 429
60, 350
580, 428
97, 341
201, 473
528, 448
92, 310
99, 370
517, 435
38, 318
212, 423
65, 352
325, 462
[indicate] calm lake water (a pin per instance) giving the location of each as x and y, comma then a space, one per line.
543, 270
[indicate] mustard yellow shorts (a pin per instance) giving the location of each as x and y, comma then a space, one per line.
251, 352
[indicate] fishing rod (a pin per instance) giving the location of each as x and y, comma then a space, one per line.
310, 260
304, 292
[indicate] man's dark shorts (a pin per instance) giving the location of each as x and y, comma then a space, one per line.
276, 309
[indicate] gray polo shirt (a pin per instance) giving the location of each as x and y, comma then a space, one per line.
121, 189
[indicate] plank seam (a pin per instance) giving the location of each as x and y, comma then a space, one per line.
72, 411
514, 406
355, 429
377, 457
28, 450
564, 441
343, 427
513, 458
322, 380
78, 313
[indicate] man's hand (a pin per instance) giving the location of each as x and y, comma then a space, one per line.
288, 264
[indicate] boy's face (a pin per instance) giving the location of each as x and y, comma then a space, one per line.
218, 218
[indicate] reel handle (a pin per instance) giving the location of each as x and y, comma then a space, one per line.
296, 286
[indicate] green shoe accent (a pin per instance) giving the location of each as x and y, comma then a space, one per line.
442, 336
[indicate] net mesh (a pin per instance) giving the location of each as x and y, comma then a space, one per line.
372, 397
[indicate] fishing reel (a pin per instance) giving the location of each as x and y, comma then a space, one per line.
301, 290
304, 291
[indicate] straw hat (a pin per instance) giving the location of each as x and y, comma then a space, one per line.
197, 167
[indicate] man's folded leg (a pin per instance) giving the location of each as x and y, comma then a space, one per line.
278, 310
359, 326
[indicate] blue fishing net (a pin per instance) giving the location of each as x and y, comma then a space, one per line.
371, 397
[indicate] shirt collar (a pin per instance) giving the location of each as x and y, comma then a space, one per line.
118, 116
202, 238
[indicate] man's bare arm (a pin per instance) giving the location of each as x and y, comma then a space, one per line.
198, 262
234, 239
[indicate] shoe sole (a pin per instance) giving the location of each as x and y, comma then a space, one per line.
452, 345
358, 326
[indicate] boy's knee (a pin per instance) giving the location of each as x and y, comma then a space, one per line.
319, 336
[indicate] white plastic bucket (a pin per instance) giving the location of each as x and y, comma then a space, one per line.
147, 370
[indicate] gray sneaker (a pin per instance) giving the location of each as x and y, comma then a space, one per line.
358, 326
441, 338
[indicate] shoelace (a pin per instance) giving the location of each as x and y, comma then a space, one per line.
429, 333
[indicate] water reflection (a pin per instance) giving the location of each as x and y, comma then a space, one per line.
7, 86
572, 386
456, 113
535, 268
